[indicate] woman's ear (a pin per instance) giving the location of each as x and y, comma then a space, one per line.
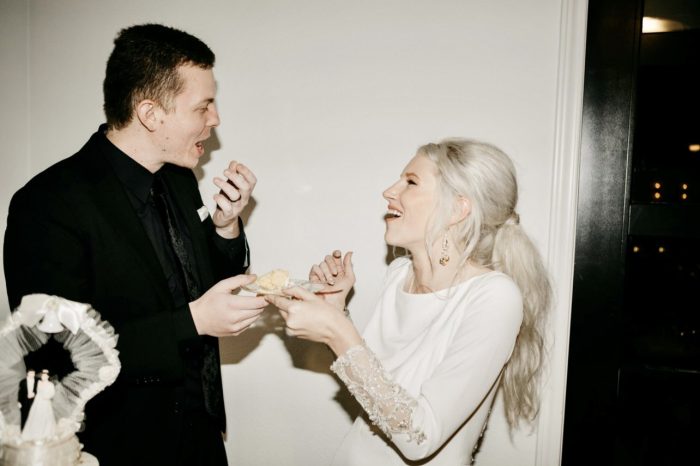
148, 113
461, 210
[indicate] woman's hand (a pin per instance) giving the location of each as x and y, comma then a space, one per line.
337, 274
311, 317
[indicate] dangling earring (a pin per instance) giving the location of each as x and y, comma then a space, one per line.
444, 258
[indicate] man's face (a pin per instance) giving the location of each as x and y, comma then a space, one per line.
183, 130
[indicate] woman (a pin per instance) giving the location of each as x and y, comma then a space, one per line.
458, 318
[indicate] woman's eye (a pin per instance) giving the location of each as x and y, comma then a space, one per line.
411, 182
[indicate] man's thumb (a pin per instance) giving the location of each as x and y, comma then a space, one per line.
233, 283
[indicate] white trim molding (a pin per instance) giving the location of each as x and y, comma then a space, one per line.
562, 223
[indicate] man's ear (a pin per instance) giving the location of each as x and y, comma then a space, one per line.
149, 114
461, 210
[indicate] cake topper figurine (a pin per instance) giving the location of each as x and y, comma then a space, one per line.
31, 376
41, 423
55, 406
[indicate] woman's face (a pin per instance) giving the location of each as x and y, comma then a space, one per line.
411, 202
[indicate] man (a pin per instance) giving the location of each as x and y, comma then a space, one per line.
120, 225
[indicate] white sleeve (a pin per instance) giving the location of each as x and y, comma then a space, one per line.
388, 405
419, 426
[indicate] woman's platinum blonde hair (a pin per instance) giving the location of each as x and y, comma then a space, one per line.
492, 237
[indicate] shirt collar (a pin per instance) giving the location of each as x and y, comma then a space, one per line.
134, 176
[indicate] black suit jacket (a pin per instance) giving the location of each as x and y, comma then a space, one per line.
72, 232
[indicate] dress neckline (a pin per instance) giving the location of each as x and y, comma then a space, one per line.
455, 287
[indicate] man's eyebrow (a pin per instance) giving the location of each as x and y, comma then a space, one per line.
206, 101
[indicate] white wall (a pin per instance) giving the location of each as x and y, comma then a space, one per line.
326, 100
14, 110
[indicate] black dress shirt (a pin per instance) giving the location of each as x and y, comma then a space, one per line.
138, 181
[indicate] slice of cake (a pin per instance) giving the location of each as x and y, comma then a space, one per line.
274, 280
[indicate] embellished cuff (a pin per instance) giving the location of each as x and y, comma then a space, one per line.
389, 406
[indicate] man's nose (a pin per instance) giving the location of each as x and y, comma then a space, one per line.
214, 117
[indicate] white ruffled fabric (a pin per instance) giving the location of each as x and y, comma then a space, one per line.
90, 341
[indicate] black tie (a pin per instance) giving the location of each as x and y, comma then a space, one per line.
211, 372
160, 198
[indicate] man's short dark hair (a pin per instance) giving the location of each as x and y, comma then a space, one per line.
144, 65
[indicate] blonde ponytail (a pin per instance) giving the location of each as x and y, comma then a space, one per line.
492, 236
516, 256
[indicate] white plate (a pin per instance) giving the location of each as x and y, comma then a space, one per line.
307, 285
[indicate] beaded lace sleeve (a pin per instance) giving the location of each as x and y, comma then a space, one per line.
389, 406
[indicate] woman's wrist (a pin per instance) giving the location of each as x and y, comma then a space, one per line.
343, 336
338, 302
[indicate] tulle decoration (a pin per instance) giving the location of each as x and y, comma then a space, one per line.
90, 341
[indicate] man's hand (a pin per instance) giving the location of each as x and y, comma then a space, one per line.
232, 198
220, 313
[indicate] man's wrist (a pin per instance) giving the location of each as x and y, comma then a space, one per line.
185, 324
230, 231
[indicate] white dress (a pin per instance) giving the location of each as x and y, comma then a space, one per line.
41, 421
428, 371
